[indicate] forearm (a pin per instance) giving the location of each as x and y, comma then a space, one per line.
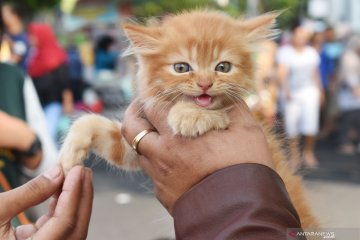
68, 101
14, 133
247, 201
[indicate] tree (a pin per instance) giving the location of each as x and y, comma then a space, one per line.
292, 8
28, 8
144, 8
35, 5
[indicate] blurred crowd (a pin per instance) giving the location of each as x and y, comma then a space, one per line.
80, 71
309, 80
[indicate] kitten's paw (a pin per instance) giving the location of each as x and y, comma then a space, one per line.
195, 122
75, 147
79, 140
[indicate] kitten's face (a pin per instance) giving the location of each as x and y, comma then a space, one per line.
203, 57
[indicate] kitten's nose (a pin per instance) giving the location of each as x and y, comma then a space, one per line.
204, 86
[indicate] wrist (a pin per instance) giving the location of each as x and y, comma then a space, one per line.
31, 148
25, 140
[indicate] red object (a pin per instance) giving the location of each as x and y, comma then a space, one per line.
48, 53
97, 107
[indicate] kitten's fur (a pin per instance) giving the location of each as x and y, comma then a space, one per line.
201, 39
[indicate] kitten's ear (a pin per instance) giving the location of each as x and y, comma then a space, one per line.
144, 40
261, 27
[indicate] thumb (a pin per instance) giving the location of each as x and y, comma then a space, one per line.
31, 193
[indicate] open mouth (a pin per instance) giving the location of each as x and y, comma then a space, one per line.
203, 100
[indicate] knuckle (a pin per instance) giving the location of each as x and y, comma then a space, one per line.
36, 186
123, 129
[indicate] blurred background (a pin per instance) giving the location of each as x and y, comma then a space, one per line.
82, 42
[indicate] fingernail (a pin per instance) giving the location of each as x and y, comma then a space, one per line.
52, 173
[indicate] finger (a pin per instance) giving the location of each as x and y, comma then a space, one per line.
133, 125
63, 222
240, 115
52, 205
31, 193
24, 232
43, 219
157, 114
85, 208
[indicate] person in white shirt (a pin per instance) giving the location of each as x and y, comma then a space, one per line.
301, 87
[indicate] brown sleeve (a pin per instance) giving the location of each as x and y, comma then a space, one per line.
245, 201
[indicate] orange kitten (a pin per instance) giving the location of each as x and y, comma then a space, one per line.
199, 64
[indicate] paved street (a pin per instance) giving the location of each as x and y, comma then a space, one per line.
125, 208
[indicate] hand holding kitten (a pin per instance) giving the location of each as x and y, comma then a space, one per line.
175, 163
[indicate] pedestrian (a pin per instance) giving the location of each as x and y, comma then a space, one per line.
300, 82
49, 71
20, 148
330, 51
349, 97
15, 29
105, 55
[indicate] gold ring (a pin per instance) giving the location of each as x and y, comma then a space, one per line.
136, 141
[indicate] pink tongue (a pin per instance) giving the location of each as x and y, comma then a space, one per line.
203, 100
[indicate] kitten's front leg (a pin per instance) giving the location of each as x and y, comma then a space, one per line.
96, 133
190, 120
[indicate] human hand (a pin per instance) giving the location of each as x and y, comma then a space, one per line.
175, 164
69, 209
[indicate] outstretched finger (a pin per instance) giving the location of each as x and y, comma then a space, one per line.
35, 192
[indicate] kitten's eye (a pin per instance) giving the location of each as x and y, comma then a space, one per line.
224, 67
182, 67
